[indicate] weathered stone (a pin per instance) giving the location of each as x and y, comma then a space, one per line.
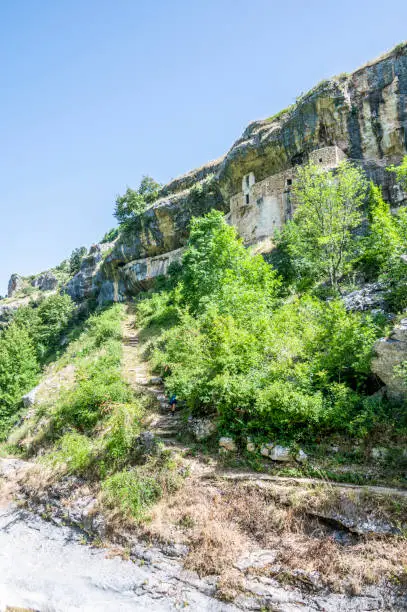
86, 283
45, 281
266, 449
146, 443
15, 284
379, 453
256, 559
29, 398
280, 453
156, 380
390, 353
201, 428
301, 456
370, 296
250, 446
227, 444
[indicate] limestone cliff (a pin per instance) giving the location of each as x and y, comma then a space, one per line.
361, 116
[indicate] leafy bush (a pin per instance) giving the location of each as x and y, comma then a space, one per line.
132, 492
268, 367
319, 239
74, 453
130, 207
382, 239
400, 172
18, 372
110, 235
120, 430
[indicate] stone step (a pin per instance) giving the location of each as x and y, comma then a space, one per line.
166, 433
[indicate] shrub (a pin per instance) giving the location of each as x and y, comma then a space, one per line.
132, 492
382, 239
120, 430
328, 205
18, 372
110, 235
400, 172
290, 369
74, 453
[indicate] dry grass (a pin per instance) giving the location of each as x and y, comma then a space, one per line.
215, 547
221, 521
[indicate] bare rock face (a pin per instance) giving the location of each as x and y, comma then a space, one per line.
84, 284
45, 281
371, 296
390, 353
15, 284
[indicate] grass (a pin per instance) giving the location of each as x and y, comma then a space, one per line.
219, 521
90, 427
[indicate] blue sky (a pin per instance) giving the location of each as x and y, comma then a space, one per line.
95, 93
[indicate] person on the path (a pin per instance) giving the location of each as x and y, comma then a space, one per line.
173, 403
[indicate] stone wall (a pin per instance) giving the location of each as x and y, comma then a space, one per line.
264, 206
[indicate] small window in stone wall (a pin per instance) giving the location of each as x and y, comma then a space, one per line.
289, 182
320, 160
247, 198
247, 181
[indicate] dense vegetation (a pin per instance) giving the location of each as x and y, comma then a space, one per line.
27, 343
266, 346
261, 346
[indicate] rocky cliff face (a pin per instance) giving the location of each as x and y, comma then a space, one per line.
363, 116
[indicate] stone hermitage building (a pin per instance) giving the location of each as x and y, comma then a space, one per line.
261, 208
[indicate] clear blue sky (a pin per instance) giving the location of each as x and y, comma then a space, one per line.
95, 93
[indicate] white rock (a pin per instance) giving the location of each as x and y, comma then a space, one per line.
201, 428
379, 452
301, 456
251, 447
256, 559
280, 453
266, 449
228, 444
29, 398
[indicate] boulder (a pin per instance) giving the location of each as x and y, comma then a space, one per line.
250, 446
391, 352
146, 443
301, 456
201, 428
227, 444
379, 453
29, 398
280, 453
370, 296
266, 449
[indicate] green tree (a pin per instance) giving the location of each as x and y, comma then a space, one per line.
328, 210
215, 259
400, 172
75, 259
18, 370
382, 239
130, 206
